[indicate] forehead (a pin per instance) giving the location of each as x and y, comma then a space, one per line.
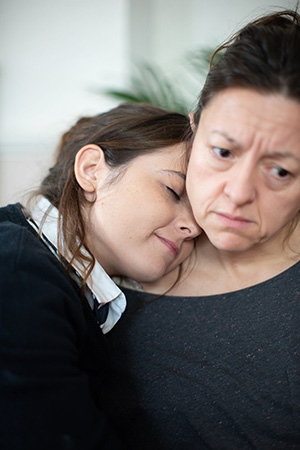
243, 114
172, 157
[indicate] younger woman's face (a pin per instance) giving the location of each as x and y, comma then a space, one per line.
141, 223
244, 172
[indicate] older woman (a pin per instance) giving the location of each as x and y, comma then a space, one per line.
215, 364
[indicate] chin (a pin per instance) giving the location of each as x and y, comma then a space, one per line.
151, 278
230, 243
152, 275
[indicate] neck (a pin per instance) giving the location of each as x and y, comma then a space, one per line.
211, 271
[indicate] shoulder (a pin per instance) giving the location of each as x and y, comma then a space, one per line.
47, 354
21, 250
34, 286
15, 234
13, 214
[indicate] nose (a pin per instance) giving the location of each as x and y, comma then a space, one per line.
240, 187
187, 225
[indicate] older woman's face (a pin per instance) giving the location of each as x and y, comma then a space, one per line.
243, 178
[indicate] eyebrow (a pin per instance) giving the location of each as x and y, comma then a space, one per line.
282, 155
226, 136
275, 154
176, 172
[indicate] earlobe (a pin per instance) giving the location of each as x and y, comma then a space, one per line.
88, 162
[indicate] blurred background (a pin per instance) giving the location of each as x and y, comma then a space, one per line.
62, 59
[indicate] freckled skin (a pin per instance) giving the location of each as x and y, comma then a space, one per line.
142, 223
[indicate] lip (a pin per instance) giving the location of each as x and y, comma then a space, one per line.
231, 221
170, 245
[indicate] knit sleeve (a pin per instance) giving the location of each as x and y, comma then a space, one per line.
46, 398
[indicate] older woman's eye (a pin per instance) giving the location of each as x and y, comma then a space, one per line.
222, 152
280, 172
278, 177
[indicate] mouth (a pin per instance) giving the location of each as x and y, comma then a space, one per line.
237, 222
170, 245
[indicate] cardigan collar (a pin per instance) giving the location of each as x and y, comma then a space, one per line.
102, 287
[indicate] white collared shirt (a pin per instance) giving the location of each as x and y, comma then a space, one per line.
99, 282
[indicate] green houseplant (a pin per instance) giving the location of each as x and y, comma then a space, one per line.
151, 85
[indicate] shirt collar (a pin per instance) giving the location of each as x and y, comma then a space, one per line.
99, 282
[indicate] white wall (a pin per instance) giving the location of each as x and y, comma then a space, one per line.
164, 29
53, 53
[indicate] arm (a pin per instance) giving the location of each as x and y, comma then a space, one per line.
46, 401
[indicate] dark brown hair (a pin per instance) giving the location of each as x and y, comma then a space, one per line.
124, 133
263, 56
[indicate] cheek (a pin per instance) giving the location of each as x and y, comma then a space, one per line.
268, 211
192, 180
292, 208
199, 188
187, 248
198, 172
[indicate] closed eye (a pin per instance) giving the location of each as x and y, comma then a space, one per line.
174, 193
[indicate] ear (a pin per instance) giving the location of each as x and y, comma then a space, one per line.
192, 123
87, 167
